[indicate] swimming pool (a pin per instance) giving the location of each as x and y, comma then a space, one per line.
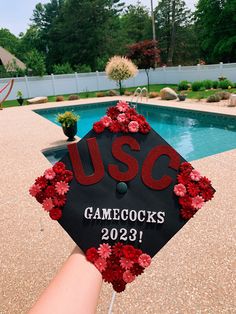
193, 134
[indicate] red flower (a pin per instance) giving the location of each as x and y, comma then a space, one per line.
59, 167
117, 249
119, 285
124, 128
115, 127
50, 191
41, 181
144, 260
126, 263
129, 251
128, 276
40, 197
113, 112
144, 128
35, 189
59, 200
204, 183
131, 112
101, 264
186, 166
208, 193
118, 274
68, 176
98, 127
92, 254
137, 269
185, 201
104, 250
183, 178
187, 213
193, 189
55, 213
108, 275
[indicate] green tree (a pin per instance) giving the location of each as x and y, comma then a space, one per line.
35, 62
64, 68
136, 23
9, 41
174, 28
215, 25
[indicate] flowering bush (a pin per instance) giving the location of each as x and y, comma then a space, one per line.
192, 189
119, 69
50, 189
122, 118
119, 264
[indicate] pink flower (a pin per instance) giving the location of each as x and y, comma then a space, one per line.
62, 187
49, 174
104, 250
197, 202
180, 190
144, 260
126, 263
101, 264
106, 121
48, 204
133, 126
122, 106
128, 276
34, 189
121, 117
195, 175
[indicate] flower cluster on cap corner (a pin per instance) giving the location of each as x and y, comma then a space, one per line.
122, 118
51, 188
119, 264
192, 189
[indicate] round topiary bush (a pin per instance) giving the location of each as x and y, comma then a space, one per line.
119, 69
153, 95
213, 98
112, 93
60, 98
73, 97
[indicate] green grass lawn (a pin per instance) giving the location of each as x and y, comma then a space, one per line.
153, 88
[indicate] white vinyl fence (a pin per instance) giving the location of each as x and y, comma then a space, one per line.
81, 82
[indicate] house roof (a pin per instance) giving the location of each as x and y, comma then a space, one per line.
9, 61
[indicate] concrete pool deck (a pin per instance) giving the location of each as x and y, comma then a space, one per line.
193, 273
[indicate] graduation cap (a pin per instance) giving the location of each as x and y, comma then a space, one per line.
121, 193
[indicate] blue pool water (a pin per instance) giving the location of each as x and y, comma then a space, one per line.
193, 134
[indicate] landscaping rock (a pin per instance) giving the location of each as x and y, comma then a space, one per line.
37, 100
168, 93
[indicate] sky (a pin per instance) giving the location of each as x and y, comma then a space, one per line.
15, 14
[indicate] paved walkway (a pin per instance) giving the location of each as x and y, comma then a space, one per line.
193, 273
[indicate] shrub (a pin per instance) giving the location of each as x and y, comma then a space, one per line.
64, 68
119, 69
100, 94
215, 84
67, 118
128, 93
183, 85
223, 95
196, 86
153, 95
83, 68
60, 98
225, 84
207, 84
112, 93
73, 97
213, 98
